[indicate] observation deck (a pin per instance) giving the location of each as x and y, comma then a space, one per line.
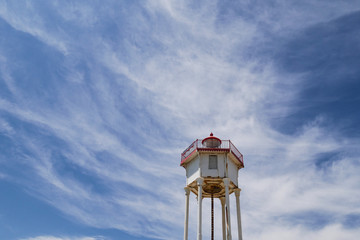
199, 145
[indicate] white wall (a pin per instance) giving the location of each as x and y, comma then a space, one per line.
204, 164
233, 172
199, 166
193, 170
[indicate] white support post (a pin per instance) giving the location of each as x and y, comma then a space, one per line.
186, 224
237, 194
227, 207
199, 183
222, 200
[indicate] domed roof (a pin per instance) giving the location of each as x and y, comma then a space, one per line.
211, 142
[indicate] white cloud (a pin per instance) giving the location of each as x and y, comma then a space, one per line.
63, 238
196, 80
29, 20
332, 232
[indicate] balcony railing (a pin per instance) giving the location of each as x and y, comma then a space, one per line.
225, 145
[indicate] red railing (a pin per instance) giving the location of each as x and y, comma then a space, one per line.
225, 145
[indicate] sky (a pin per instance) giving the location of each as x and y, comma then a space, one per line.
99, 98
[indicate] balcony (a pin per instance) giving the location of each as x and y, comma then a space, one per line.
226, 145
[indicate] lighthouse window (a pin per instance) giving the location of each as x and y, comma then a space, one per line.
213, 162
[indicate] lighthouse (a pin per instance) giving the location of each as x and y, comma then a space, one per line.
212, 167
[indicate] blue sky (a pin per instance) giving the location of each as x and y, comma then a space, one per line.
99, 98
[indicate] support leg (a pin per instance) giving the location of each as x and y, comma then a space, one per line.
237, 194
186, 224
227, 207
222, 200
199, 183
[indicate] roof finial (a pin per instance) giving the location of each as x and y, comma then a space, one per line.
211, 134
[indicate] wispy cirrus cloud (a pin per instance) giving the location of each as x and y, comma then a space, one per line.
63, 238
124, 88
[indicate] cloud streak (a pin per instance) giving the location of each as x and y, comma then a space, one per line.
63, 238
100, 132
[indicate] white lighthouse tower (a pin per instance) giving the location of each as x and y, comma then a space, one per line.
212, 167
